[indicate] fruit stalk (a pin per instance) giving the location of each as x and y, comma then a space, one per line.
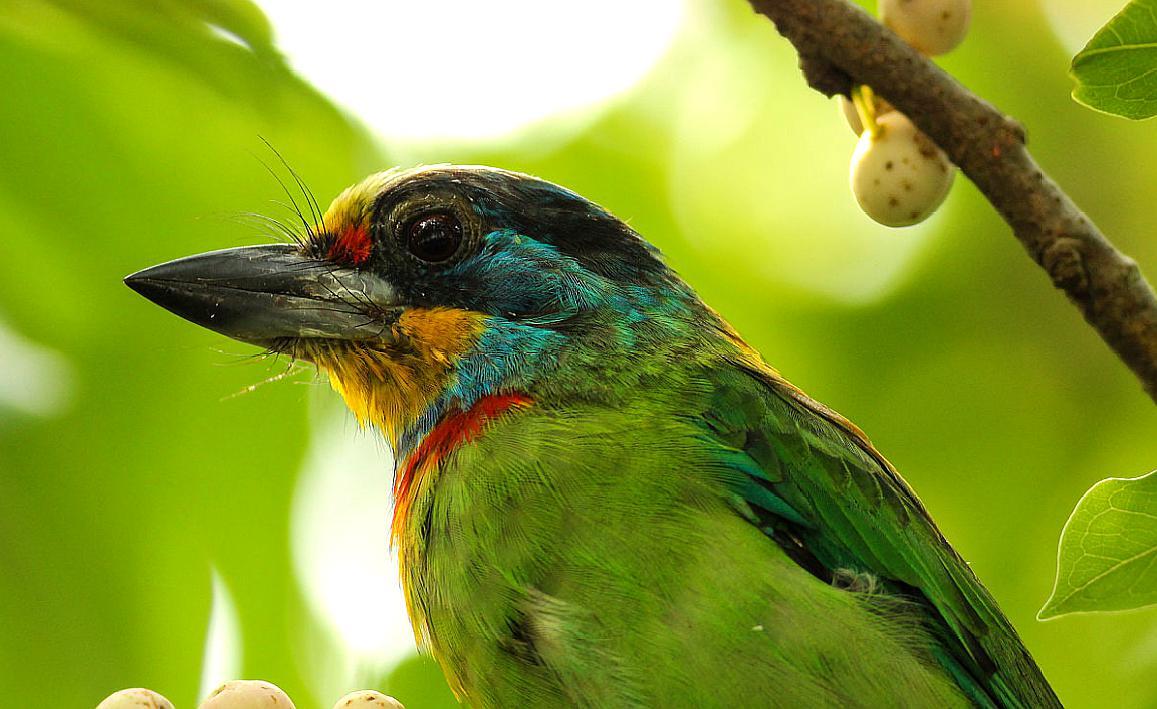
865, 107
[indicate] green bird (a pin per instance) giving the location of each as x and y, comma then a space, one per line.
604, 497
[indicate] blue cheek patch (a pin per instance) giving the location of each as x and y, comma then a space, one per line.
517, 275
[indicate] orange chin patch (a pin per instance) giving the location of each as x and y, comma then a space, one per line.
389, 384
442, 334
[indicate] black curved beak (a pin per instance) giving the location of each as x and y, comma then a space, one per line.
261, 294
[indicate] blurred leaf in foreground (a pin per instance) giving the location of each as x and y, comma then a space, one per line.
1116, 72
1107, 550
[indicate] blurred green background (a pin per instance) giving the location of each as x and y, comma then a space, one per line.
163, 523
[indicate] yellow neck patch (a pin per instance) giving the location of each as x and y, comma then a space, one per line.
389, 384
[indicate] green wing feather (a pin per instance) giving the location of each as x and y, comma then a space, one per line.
817, 486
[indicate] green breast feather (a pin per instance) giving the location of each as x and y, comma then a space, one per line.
735, 546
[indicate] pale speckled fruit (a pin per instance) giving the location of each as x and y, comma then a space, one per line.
367, 699
899, 176
247, 694
932, 26
136, 698
848, 108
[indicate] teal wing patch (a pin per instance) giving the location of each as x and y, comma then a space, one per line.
814, 484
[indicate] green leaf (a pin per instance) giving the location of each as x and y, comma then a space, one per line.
1116, 72
1107, 559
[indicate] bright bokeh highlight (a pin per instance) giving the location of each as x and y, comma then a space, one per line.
37, 380
459, 69
341, 544
223, 644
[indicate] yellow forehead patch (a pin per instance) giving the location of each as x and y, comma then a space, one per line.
354, 206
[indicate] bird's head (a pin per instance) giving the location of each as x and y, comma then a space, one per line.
426, 289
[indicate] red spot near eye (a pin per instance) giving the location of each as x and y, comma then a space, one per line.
351, 246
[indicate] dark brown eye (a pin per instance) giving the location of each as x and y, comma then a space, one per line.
435, 238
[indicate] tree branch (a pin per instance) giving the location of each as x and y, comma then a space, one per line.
840, 45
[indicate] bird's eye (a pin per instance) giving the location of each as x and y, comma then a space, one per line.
434, 238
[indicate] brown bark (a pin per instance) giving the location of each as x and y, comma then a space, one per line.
840, 46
